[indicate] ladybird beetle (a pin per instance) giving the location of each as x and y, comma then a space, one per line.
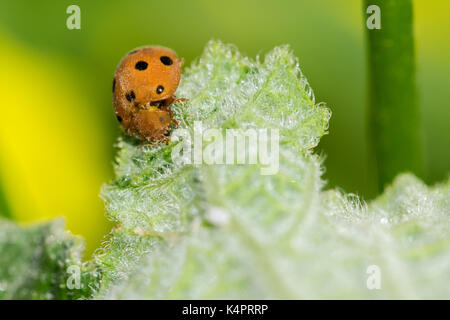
143, 88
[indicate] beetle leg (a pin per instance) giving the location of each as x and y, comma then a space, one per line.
178, 100
147, 144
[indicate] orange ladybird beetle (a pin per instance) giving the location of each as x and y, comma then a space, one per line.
143, 88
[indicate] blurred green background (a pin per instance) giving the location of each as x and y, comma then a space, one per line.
57, 127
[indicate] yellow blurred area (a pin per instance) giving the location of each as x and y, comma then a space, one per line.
49, 163
432, 30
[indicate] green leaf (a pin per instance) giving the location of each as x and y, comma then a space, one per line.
227, 231
34, 262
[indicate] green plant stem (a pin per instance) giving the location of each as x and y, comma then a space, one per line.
394, 119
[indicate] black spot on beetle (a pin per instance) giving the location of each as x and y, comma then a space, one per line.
141, 65
114, 84
119, 118
160, 89
167, 133
130, 96
161, 119
166, 60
